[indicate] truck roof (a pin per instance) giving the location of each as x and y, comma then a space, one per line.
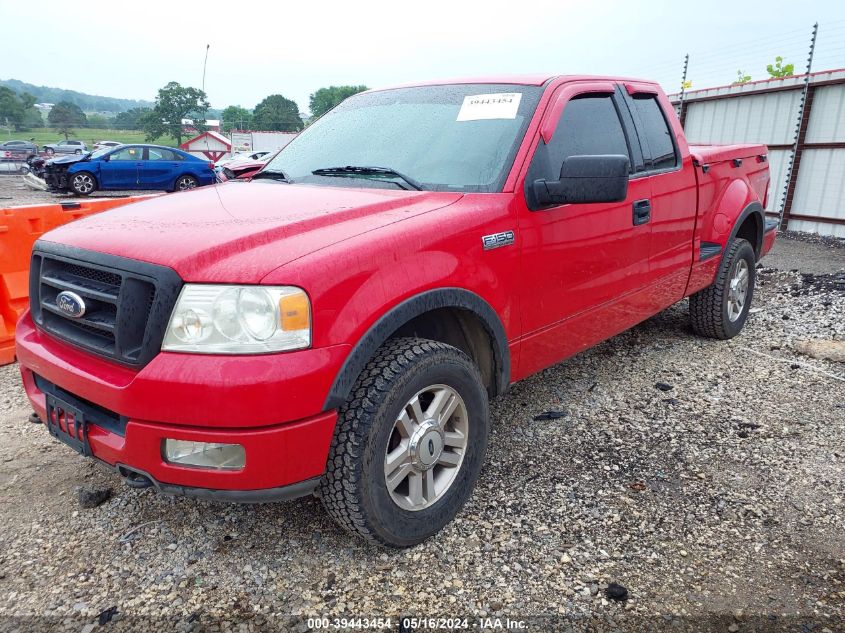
517, 79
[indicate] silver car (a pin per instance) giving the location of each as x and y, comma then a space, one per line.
66, 147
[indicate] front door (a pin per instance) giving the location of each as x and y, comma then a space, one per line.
121, 169
582, 264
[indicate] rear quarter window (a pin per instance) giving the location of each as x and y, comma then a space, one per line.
656, 137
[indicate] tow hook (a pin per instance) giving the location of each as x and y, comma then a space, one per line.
34, 419
134, 479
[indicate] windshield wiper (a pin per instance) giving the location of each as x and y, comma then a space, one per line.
274, 174
350, 170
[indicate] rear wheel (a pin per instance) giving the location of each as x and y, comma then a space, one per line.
83, 183
409, 443
720, 310
183, 183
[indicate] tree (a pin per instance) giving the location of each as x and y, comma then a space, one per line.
326, 98
16, 110
277, 114
741, 78
174, 103
129, 120
236, 118
99, 120
32, 118
779, 70
64, 116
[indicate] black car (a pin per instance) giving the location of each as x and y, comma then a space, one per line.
18, 149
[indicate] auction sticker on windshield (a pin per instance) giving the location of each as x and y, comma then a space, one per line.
501, 105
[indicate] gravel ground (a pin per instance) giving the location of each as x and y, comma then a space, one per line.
14, 192
717, 501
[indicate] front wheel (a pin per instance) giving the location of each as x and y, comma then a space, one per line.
83, 183
183, 183
49, 151
78, 152
720, 310
409, 443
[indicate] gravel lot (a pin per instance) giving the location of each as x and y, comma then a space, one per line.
717, 501
14, 192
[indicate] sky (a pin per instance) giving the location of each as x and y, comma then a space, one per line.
130, 50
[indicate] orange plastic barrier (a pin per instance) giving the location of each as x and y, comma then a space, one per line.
19, 228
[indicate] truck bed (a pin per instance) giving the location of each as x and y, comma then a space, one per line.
709, 154
721, 165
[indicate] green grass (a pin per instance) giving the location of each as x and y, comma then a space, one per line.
90, 136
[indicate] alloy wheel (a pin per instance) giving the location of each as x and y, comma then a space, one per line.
426, 447
186, 183
738, 289
83, 183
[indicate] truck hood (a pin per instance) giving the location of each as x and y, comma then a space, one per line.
239, 232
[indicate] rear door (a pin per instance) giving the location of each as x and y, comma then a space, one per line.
673, 198
121, 169
159, 168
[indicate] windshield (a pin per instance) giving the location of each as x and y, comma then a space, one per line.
447, 138
101, 152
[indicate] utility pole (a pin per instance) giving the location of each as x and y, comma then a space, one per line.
204, 64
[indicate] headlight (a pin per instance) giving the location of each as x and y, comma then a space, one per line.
212, 319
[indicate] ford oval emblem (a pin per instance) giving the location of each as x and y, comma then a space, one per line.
70, 303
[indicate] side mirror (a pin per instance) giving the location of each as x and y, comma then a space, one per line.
106, 158
586, 179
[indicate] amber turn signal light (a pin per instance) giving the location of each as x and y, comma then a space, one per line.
295, 312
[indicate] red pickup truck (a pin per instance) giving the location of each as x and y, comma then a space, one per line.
337, 324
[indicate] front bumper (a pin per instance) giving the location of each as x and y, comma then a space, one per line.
268, 404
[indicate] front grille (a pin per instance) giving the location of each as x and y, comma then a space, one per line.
127, 302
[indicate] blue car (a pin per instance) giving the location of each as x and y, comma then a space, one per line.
130, 167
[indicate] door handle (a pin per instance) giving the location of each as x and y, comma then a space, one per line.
642, 211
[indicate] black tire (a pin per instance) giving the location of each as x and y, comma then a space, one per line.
78, 152
354, 490
185, 183
49, 151
83, 183
709, 311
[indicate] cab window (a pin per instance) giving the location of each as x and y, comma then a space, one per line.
127, 153
159, 153
589, 125
656, 137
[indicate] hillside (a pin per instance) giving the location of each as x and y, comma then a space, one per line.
89, 103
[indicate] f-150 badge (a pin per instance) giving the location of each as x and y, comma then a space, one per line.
505, 238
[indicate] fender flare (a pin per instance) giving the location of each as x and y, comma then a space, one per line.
404, 312
750, 208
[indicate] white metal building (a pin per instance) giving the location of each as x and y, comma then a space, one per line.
767, 112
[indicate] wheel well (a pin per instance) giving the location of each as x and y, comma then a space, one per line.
454, 316
751, 230
462, 329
